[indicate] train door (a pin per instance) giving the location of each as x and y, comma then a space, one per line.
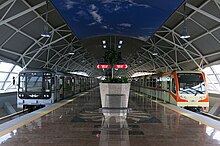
61, 81
53, 89
159, 85
77, 84
80, 84
145, 84
166, 88
90, 82
172, 89
84, 81
73, 85
57, 88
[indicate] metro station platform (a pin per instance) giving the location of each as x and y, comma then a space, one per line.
79, 122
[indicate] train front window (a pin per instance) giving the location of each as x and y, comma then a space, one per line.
34, 83
191, 84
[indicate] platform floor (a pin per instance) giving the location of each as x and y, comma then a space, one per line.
80, 123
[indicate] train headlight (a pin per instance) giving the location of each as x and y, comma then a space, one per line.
20, 95
46, 95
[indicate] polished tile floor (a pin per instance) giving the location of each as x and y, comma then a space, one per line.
80, 123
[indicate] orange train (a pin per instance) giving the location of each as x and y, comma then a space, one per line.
186, 89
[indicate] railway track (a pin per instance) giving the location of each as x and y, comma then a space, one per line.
210, 115
11, 116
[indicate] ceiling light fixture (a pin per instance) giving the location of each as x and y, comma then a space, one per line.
71, 51
154, 52
46, 30
184, 33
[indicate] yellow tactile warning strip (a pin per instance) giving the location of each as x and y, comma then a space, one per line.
203, 121
8, 130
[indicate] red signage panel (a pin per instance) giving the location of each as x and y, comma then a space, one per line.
101, 66
120, 66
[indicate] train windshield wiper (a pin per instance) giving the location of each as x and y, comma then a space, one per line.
186, 91
197, 91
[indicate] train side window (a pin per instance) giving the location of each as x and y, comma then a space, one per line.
145, 81
173, 86
52, 80
168, 85
151, 83
154, 82
158, 83
68, 82
61, 81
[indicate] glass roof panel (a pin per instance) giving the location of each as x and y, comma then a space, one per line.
17, 69
216, 68
208, 70
6, 76
212, 81
212, 78
3, 76
5, 67
133, 18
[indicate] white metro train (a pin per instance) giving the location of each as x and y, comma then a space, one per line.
41, 87
186, 89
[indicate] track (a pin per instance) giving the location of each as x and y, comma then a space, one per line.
14, 115
210, 115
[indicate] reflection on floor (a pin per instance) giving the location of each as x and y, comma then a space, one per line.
133, 117
81, 123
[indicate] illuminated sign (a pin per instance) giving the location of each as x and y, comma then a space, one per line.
120, 66
101, 66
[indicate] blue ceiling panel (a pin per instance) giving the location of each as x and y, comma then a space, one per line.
134, 18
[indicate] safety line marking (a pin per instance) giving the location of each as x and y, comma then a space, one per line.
8, 130
185, 114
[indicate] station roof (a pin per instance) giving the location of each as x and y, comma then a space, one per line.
145, 28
